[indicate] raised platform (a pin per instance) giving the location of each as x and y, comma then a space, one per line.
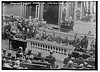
81, 27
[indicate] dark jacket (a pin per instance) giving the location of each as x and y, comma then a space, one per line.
66, 60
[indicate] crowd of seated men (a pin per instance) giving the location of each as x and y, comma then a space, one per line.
79, 63
27, 60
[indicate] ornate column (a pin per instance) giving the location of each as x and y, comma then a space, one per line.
75, 10
91, 3
67, 8
21, 10
81, 14
24, 6
41, 11
59, 17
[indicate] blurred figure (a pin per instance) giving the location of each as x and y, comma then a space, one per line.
7, 64
67, 59
39, 54
71, 23
84, 43
58, 39
91, 58
65, 40
50, 38
30, 18
70, 64
85, 64
28, 60
31, 57
3, 61
9, 56
92, 45
23, 32
44, 36
79, 60
17, 64
3, 53
51, 58
19, 52
89, 33
65, 22
13, 58
13, 28
39, 36
29, 52
36, 22
28, 34
43, 60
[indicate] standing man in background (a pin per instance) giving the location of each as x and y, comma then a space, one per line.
70, 23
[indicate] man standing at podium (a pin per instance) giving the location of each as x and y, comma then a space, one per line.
71, 23
68, 24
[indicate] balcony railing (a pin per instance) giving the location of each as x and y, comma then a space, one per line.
49, 46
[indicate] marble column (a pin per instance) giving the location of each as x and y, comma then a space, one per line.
75, 18
67, 12
59, 17
81, 14
25, 10
41, 11
21, 10
91, 4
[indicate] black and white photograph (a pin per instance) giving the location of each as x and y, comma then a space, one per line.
49, 35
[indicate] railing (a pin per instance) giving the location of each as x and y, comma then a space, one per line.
49, 46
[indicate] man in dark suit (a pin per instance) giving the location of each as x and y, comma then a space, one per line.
79, 60
65, 40
84, 43
70, 23
67, 59
52, 59
28, 34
